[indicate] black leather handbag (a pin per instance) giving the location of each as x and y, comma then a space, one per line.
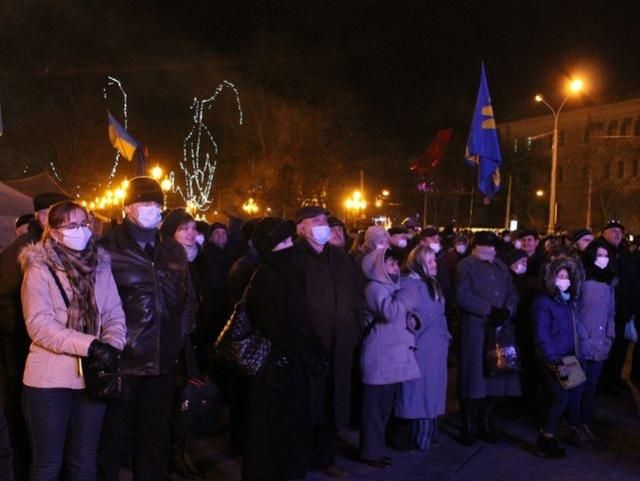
98, 382
197, 403
241, 344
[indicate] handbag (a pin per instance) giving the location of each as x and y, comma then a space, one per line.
98, 382
501, 355
197, 403
571, 373
240, 343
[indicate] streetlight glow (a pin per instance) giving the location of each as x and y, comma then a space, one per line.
539, 192
166, 184
156, 172
538, 98
576, 85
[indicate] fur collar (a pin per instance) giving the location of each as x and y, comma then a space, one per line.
41, 254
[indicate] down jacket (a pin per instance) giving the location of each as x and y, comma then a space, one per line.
54, 355
157, 298
554, 318
388, 349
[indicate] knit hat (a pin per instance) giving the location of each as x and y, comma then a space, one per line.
47, 199
513, 256
614, 224
143, 189
269, 232
429, 231
397, 230
24, 219
309, 211
485, 238
528, 232
375, 235
335, 222
579, 234
174, 220
202, 226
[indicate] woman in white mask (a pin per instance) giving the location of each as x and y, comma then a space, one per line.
181, 226
557, 331
72, 310
596, 311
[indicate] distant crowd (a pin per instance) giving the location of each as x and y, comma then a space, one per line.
121, 342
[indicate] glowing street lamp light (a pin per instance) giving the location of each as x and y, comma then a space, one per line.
156, 172
250, 206
575, 86
166, 184
385, 193
539, 193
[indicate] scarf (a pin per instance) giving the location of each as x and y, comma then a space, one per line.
80, 267
192, 252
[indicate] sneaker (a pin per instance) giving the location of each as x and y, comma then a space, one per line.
548, 447
578, 437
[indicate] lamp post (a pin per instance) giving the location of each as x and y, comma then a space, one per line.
574, 87
355, 205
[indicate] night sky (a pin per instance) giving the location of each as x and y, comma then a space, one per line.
411, 66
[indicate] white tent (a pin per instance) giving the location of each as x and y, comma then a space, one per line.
12, 205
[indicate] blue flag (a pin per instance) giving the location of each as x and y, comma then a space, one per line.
483, 146
121, 139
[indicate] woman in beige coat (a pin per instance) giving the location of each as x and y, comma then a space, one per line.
63, 421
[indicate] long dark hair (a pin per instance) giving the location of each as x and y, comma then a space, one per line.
414, 264
59, 214
589, 257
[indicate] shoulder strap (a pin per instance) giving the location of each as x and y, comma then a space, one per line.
575, 329
59, 284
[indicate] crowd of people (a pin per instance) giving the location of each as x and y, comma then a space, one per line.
363, 328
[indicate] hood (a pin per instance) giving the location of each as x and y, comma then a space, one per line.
373, 267
551, 271
41, 254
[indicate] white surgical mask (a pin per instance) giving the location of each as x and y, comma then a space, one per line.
148, 216
321, 234
381, 246
507, 238
602, 262
520, 269
563, 284
402, 243
517, 244
461, 248
76, 239
200, 239
435, 247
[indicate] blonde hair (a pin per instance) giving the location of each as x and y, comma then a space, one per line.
415, 263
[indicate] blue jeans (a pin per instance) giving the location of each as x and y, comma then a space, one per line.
592, 370
560, 400
64, 427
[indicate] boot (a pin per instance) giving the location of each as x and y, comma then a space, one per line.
578, 437
486, 432
181, 462
469, 418
548, 447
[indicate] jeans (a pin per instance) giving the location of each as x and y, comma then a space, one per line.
377, 406
592, 370
147, 413
561, 399
64, 428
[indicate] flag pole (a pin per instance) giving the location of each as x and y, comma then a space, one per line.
424, 209
473, 191
507, 215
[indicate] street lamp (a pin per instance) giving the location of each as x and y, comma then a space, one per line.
355, 204
574, 87
250, 206
156, 172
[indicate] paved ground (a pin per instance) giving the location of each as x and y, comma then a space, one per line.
513, 459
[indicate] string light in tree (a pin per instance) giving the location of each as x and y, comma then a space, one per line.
114, 82
198, 162
54, 171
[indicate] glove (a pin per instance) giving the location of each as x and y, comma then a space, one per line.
499, 315
105, 355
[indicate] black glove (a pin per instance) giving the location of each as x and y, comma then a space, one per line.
105, 355
499, 315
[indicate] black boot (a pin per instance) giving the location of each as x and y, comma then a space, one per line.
548, 447
486, 432
469, 418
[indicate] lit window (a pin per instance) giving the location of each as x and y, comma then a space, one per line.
515, 145
606, 170
613, 126
634, 168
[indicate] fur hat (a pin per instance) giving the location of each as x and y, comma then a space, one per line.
269, 232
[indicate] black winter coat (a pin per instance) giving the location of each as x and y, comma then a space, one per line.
278, 437
336, 306
626, 290
157, 298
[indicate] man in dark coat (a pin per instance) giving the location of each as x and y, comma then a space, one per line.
219, 266
152, 275
487, 298
627, 305
14, 341
335, 306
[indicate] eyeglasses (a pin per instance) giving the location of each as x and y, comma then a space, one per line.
76, 225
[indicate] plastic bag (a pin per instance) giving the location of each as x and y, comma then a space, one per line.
630, 332
501, 355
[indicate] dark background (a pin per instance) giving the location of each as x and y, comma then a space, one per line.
328, 88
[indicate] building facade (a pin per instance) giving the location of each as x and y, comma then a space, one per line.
598, 176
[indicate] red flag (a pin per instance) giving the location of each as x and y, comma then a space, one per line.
433, 153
